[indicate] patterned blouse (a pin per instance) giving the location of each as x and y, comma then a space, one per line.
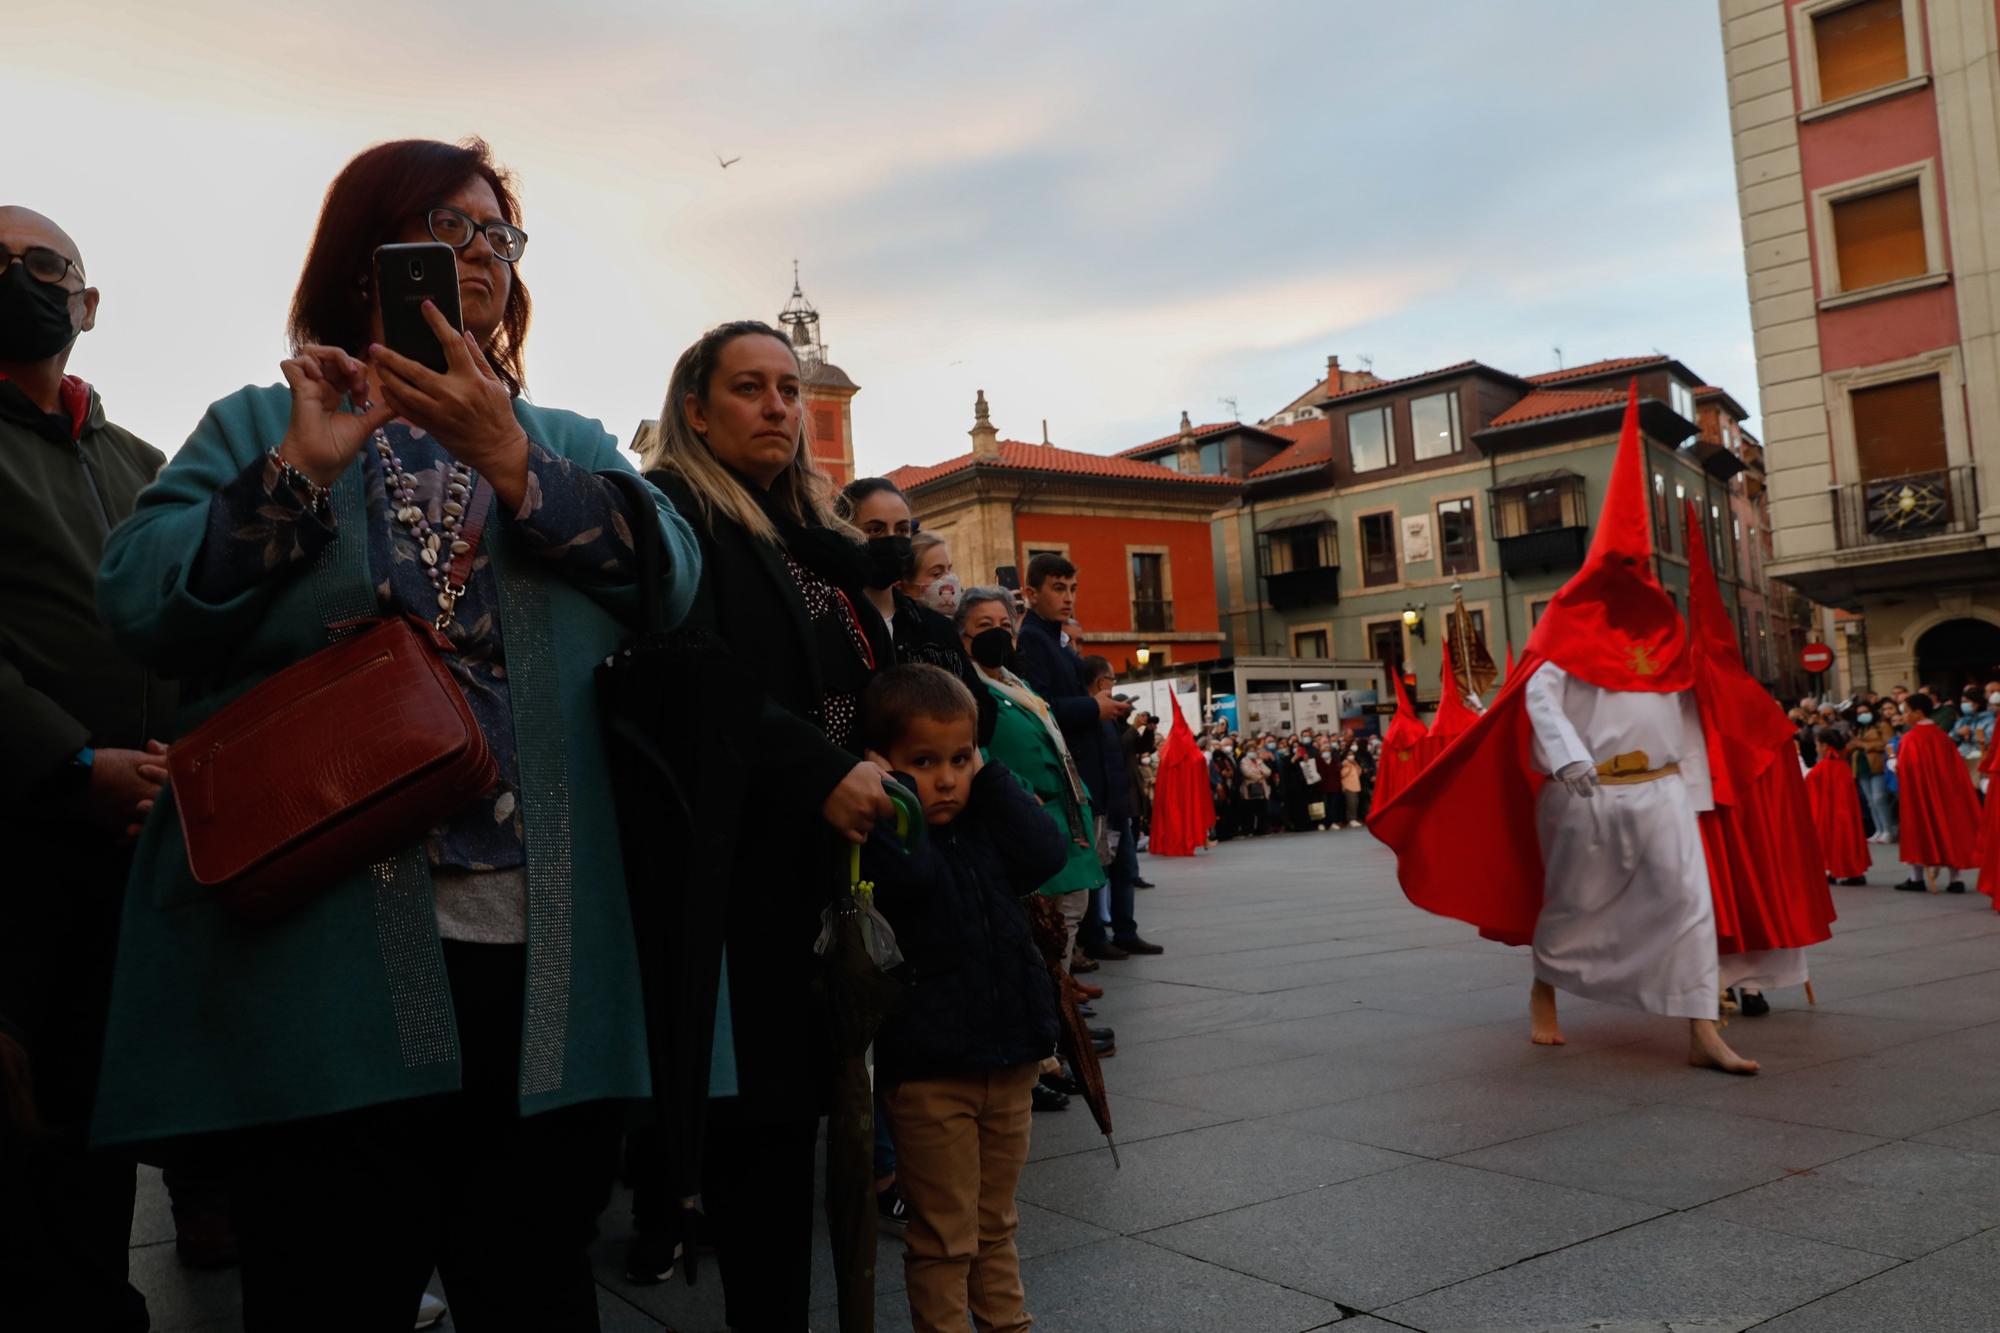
841, 649
259, 526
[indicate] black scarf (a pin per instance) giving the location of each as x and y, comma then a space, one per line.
834, 556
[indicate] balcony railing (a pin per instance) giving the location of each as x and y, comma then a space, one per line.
1150, 616
1297, 588
1909, 508
1539, 552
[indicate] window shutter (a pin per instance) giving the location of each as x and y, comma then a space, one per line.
1880, 237
1860, 47
1899, 428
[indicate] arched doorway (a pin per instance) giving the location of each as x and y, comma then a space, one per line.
1957, 653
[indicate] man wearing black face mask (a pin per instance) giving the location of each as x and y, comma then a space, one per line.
877, 509
80, 764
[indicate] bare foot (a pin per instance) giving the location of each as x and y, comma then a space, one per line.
1542, 1015
1707, 1050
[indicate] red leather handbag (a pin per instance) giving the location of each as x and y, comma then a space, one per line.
333, 762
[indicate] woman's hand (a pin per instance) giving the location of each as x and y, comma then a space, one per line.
853, 807
321, 439
467, 408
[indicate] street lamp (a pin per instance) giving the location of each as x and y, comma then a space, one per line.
1413, 621
1143, 656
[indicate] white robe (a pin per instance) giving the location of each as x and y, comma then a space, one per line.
1627, 914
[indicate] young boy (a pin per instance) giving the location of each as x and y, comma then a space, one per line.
956, 1061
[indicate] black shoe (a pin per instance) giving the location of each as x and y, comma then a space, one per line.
651, 1257
1087, 1010
892, 1210
1104, 1046
1104, 1034
1042, 1097
1910, 886
1138, 883
1754, 1005
1138, 946
1106, 952
1956, 886
1852, 881
1062, 1083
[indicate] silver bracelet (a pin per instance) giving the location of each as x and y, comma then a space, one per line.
318, 498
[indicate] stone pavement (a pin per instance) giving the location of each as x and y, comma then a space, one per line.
1329, 1113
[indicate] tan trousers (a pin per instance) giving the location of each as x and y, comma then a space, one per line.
1073, 906
960, 1147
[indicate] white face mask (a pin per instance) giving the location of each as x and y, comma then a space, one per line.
1993, 701
941, 594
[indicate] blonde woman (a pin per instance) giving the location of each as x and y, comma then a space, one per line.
784, 585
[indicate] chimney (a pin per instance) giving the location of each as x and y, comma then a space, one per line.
1333, 373
1186, 452
985, 439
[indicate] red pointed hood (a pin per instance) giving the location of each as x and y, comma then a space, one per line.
1612, 624
1405, 730
1454, 716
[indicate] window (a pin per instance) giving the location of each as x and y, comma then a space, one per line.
1211, 458
1151, 612
1369, 442
1535, 610
1681, 398
1458, 537
1385, 643
1860, 46
1663, 533
1718, 549
1879, 237
1170, 460
1378, 549
1434, 425
1309, 643
1899, 428
1542, 509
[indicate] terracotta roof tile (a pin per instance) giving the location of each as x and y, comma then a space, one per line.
1312, 446
1386, 384
1212, 428
1595, 368
1555, 402
1049, 458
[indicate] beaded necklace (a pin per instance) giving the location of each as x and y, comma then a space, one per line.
435, 545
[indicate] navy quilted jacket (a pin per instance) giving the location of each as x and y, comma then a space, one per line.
977, 995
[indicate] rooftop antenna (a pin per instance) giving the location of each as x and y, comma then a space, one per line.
1559, 356
1230, 403
1045, 430
1367, 362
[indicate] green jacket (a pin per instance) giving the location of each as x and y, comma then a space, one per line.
65, 481
1022, 743
218, 1023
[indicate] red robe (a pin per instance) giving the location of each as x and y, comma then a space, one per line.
1464, 832
1765, 867
1940, 815
1836, 812
1183, 807
1989, 825
1454, 718
1406, 749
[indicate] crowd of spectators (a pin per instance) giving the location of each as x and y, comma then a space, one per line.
1871, 727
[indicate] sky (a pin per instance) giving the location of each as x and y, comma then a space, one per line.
1101, 214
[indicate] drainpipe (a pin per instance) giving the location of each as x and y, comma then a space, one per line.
1257, 572
1493, 526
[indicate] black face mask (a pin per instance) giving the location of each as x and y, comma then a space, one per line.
888, 560
34, 317
992, 648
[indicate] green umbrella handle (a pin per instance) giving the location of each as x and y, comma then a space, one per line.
910, 831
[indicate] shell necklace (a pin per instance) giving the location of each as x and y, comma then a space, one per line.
436, 545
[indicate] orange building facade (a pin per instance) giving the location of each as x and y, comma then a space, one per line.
1139, 534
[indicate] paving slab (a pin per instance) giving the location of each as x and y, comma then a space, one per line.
1955, 1290
1371, 1242
1675, 1156
1444, 1119
1980, 1133
1676, 1269
1203, 1171
1133, 1119
1901, 1199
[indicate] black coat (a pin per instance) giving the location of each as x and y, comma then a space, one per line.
787, 860
978, 995
1056, 673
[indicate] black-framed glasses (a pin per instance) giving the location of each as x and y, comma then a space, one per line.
450, 227
42, 263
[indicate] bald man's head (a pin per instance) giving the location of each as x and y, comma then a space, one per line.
22, 227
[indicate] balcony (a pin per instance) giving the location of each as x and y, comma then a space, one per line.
1152, 616
1296, 588
1544, 551
1892, 510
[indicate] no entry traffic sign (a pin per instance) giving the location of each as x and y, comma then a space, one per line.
1815, 657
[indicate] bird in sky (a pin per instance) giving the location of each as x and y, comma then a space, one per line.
726, 165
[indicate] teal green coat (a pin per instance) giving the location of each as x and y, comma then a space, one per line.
1022, 743
218, 1023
